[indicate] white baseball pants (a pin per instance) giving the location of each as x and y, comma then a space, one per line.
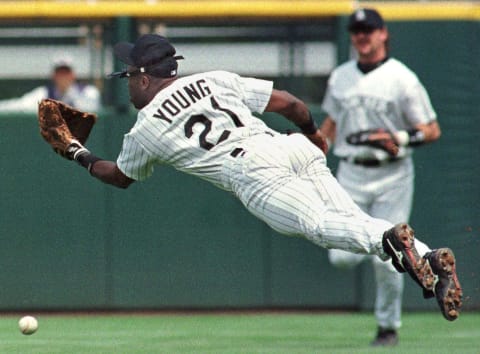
284, 181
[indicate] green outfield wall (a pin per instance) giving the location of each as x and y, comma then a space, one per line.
68, 241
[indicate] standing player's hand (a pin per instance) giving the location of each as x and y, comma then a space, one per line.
319, 139
377, 138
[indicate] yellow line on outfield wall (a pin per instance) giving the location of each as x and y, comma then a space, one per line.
173, 8
432, 10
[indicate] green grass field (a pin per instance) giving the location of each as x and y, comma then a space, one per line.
282, 332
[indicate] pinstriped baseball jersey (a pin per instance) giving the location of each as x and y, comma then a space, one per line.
193, 123
391, 97
198, 121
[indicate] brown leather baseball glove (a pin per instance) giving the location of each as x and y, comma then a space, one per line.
62, 125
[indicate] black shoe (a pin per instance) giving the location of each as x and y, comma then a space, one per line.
447, 288
398, 243
385, 338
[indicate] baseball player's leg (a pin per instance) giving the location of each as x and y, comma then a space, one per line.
389, 291
393, 204
343, 259
304, 199
295, 208
389, 282
434, 271
288, 185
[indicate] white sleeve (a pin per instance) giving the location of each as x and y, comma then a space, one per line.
329, 104
27, 103
256, 93
416, 105
134, 161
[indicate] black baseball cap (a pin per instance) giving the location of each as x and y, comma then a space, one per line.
365, 18
151, 53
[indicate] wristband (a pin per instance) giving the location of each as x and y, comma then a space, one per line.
79, 153
74, 149
416, 137
87, 159
309, 127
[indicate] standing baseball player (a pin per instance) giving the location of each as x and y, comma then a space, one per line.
203, 125
377, 112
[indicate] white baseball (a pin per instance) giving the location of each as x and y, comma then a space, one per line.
28, 325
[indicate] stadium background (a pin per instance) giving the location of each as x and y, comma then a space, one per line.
175, 242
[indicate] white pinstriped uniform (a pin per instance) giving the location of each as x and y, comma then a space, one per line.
198, 121
390, 97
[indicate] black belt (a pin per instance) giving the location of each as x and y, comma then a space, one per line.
370, 162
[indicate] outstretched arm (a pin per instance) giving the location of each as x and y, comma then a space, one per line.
108, 172
66, 129
297, 112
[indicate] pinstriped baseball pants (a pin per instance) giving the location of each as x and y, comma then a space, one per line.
284, 181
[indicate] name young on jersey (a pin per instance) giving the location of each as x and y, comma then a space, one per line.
182, 99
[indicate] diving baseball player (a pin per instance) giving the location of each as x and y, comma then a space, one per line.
369, 97
203, 125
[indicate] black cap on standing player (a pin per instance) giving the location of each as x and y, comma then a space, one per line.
365, 19
151, 53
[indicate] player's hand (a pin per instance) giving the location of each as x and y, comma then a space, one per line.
377, 138
319, 140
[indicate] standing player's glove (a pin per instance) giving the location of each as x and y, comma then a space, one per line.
63, 127
377, 138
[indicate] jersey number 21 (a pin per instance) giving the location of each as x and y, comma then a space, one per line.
207, 123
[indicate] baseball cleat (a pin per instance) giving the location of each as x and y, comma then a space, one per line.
385, 338
447, 288
399, 244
